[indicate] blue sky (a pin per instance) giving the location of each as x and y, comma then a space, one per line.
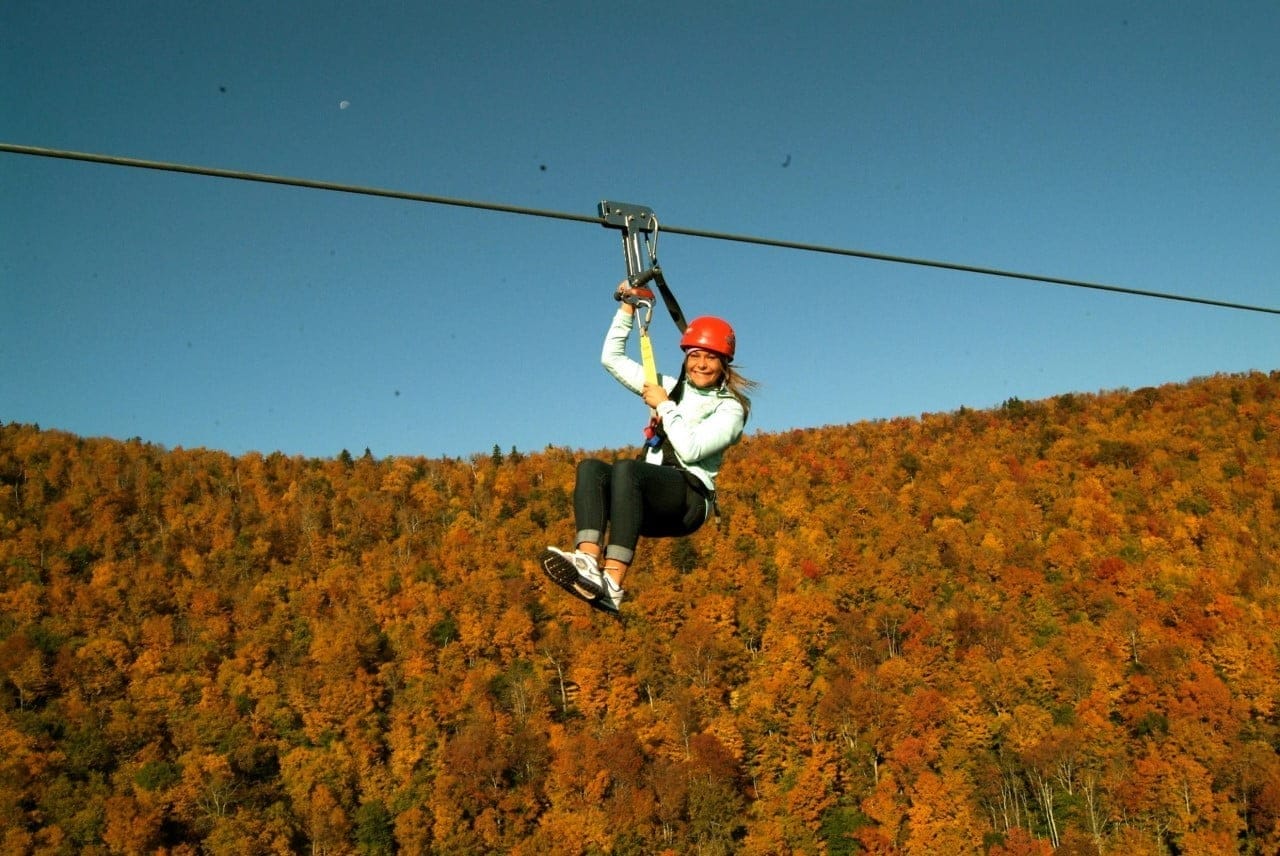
1135, 144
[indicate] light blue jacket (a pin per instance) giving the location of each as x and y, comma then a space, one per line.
700, 427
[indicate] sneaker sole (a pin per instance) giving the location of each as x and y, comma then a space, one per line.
585, 591
565, 574
562, 572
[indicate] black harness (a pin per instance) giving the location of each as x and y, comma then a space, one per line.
660, 440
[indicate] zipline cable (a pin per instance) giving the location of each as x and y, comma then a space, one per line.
238, 175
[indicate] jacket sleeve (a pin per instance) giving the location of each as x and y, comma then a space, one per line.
613, 356
696, 441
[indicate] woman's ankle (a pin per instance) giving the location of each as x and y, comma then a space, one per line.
616, 569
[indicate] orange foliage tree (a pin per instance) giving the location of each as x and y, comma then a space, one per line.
1046, 627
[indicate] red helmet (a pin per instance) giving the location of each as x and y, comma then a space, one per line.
710, 334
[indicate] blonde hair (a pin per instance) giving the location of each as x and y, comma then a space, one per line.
738, 385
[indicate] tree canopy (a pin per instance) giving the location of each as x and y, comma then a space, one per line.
1045, 628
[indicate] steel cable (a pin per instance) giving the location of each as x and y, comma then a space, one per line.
579, 218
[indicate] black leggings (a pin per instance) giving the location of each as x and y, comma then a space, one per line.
633, 498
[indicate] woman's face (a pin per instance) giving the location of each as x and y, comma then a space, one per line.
703, 368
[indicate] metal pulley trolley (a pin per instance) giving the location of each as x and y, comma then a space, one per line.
638, 225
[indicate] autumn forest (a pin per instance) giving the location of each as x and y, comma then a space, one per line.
1045, 628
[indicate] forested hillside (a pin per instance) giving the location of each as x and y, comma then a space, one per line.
1050, 627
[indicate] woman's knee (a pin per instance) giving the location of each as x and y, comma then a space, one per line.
626, 474
625, 481
592, 468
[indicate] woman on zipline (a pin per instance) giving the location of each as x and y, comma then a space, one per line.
670, 489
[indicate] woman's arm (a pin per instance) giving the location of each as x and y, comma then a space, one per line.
613, 356
693, 442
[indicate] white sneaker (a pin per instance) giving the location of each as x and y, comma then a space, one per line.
578, 570
591, 579
611, 597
